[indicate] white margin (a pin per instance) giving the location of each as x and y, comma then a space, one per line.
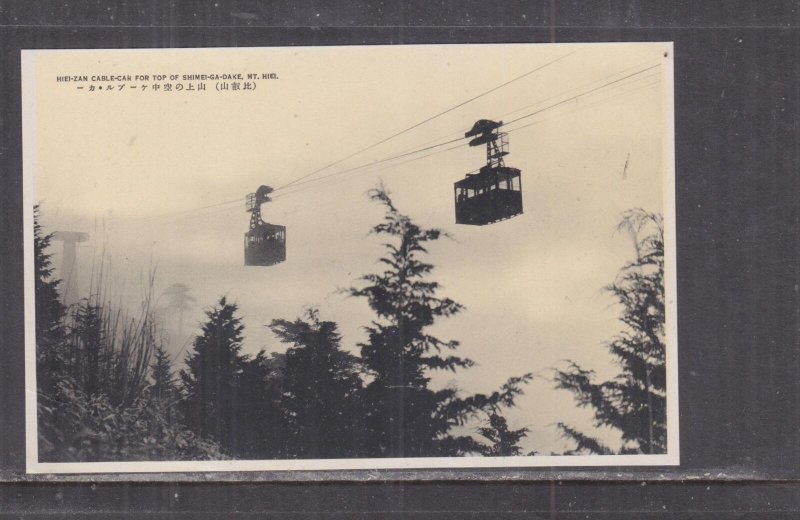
670, 262
352, 464
29, 167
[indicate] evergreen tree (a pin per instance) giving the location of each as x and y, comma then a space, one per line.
404, 416
89, 342
263, 433
163, 387
321, 390
50, 356
179, 302
163, 393
503, 441
211, 380
49, 309
634, 402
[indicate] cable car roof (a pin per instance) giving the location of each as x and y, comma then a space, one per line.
488, 176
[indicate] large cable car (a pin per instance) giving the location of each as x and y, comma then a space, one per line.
495, 192
264, 243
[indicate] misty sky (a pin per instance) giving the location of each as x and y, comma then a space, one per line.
132, 168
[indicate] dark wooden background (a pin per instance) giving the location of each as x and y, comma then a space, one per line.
737, 97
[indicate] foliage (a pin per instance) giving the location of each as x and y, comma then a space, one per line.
584, 444
94, 396
50, 354
321, 390
49, 309
109, 351
113, 394
634, 402
262, 433
78, 427
163, 387
503, 441
108, 404
211, 380
404, 416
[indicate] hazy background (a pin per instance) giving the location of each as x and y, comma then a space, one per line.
132, 168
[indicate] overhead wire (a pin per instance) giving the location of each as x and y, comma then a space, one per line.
376, 162
582, 107
539, 102
426, 148
308, 186
598, 102
177, 213
579, 95
431, 118
371, 146
305, 180
581, 88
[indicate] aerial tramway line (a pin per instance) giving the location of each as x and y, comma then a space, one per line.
491, 194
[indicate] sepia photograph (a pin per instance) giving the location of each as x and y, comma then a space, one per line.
350, 258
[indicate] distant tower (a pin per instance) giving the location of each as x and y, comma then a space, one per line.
69, 263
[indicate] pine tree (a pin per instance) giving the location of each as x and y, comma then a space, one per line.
49, 309
634, 402
162, 394
263, 433
89, 342
503, 441
163, 387
321, 390
211, 380
179, 301
50, 356
404, 416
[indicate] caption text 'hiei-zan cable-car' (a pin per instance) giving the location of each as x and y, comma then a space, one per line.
495, 192
264, 244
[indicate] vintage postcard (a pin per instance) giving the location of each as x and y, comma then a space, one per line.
361, 257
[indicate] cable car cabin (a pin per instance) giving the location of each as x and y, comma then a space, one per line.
492, 195
495, 192
264, 243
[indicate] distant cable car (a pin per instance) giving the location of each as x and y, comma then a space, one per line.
495, 192
264, 244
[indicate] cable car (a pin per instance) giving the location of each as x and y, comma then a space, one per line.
495, 192
264, 243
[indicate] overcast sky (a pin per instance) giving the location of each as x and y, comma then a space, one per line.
132, 166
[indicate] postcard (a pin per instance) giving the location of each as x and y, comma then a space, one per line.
350, 258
